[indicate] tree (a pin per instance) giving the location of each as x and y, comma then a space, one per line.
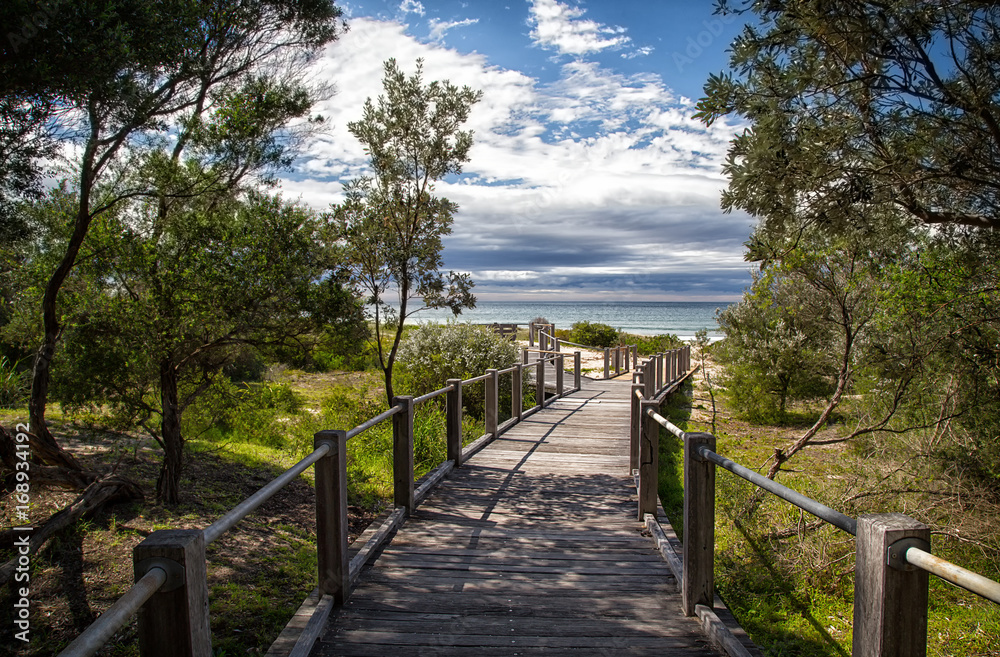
854, 103
390, 222
814, 314
169, 304
773, 354
166, 65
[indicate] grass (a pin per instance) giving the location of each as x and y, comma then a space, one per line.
791, 586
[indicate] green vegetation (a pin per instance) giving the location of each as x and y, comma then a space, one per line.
653, 344
789, 579
594, 334
182, 105
861, 367
433, 353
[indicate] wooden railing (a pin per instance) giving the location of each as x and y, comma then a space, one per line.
171, 590
622, 358
892, 562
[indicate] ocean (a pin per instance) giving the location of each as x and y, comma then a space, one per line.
681, 318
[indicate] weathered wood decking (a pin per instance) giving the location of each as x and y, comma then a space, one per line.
532, 547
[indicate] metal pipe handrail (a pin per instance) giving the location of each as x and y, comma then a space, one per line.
832, 516
243, 509
509, 370
365, 426
475, 379
101, 630
946, 570
583, 346
953, 573
431, 395
821, 511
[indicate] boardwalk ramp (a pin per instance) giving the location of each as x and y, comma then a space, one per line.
531, 548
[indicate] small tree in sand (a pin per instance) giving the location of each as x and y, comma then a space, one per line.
390, 223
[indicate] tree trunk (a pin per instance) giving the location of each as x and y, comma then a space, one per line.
168, 483
52, 453
72, 477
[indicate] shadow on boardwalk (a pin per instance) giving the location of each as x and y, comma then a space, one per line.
532, 547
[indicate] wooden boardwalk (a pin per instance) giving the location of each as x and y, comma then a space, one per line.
531, 548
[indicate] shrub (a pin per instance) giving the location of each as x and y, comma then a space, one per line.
593, 334
251, 413
13, 385
654, 344
430, 354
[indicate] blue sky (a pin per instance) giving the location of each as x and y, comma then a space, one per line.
588, 179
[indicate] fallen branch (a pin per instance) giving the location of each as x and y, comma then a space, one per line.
113, 488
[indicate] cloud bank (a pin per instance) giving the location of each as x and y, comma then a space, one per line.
592, 185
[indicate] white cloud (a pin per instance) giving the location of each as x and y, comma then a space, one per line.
439, 28
644, 51
558, 26
634, 197
411, 7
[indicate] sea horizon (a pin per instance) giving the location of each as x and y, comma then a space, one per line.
680, 318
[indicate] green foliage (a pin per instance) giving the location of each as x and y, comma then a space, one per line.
344, 350
256, 413
391, 223
13, 385
594, 334
853, 103
201, 285
771, 354
182, 104
653, 344
433, 353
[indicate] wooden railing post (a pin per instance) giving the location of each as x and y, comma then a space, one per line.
649, 458
517, 392
635, 425
402, 453
492, 402
560, 374
649, 378
577, 370
524, 355
175, 620
635, 356
540, 382
531, 335
607, 363
698, 586
453, 421
331, 516
659, 371
890, 598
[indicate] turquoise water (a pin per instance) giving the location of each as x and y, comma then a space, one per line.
681, 318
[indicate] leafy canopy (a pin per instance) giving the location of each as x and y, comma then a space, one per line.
853, 103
